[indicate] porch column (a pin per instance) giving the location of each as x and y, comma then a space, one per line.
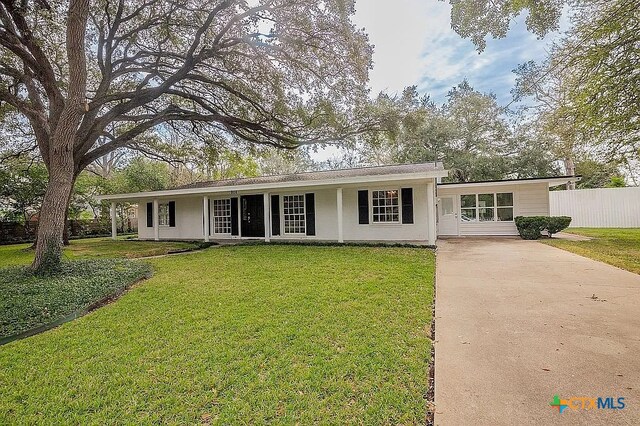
114, 224
339, 206
431, 214
156, 217
205, 210
267, 217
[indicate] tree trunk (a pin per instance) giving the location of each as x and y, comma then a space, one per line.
61, 164
51, 224
570, 169
65, 232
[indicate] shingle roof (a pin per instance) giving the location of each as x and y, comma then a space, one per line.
322, 175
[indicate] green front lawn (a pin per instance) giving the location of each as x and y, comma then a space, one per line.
21, 254
616, 246
244, 334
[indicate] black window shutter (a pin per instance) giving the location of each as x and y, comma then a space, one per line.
363, 207
275, 215
310, 210
149, 215
172, 214
407, 205
234, 216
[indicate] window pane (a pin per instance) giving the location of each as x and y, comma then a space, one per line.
505, 213
468, 200
385, 206
505, 199
468, 215
222, 216
485, 215
163, 214
294, 217
447, 205
485, 200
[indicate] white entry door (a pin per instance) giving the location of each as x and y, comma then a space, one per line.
447, 215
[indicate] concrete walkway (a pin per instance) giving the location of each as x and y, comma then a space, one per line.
518, 322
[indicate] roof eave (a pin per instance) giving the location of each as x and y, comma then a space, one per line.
552, 181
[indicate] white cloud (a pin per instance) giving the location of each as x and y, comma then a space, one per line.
397, 29
414, 44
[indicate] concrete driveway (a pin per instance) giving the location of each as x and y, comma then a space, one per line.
518, 322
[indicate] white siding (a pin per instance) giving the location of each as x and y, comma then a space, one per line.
189, 213
189, 225
326, 214
529, 199
488, 228
602, 207
386, 231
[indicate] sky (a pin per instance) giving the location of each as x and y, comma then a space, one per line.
415, 45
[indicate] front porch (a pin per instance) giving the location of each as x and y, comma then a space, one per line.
399, 212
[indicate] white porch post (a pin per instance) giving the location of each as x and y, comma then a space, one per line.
267, 217
339, 206
205, 210
431, 214
114, 224
156, 217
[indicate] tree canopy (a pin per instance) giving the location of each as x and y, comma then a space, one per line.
587, 91
479, 19
82, 79
470, 133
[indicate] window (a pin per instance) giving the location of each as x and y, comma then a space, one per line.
468, 208
385, 206
487, 207
222, 216
163, 214
293, 212
505, 206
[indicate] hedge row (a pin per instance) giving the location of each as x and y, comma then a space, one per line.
531, 227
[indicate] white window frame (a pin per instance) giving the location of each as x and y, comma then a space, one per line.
371, 207
495, 207
512, 207
224, 218
283, 220
164, 218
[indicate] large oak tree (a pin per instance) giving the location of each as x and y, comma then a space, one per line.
92, 78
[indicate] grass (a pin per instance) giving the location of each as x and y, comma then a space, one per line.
242, 334
21, 254
616, 246
29, 301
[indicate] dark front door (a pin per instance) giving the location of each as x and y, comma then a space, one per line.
252, 215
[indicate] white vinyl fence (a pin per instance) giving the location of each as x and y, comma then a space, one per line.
598, 208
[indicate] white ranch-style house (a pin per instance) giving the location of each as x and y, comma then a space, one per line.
399, 203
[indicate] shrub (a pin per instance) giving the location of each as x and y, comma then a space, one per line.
556, 224
531, 227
